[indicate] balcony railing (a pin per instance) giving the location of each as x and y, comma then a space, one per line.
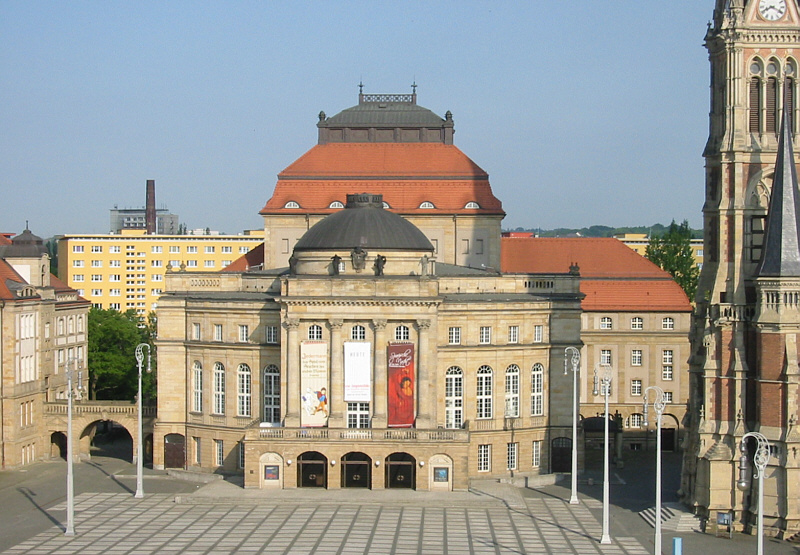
333, 434
98, 407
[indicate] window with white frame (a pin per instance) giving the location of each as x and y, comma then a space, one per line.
244, 250
217, 332
191, 263
157, 263
77, 248
668, 324
636, 387
243, 399
226, 249
635, 420
358, 415
315, 332
97, 277
219, 452
174, 248
485, 336
636, 357
156, 249
97, 263
197, 452
156, 277
358, 333
115, 248
197, 387
605, 357
78, 278
271, 386
512, 391
484, 458
272, 334
666, 368
537, 390
240, 451
114, 277
513, 334
191, 249
536, 454
512, 450
667, 396
115, 263
484, 392
605, 323
454, 335
401, 333
454, 398
538, 333
97, 248
244, 333
97, 292
209, 250
208, 264
637, 323
219, 388
196, 332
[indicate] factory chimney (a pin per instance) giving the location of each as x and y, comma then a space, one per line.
150, 207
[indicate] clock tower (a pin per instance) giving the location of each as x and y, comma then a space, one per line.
744, 362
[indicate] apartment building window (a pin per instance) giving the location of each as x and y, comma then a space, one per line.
484, 392
114, 277
97, 292
637, 323
114, 306
157, 277
513, 334
605, 323
636, 357
77, 248
156, 250
636, 387
485, 336
97, 277
97, 248
208, 264
197, 453
358, 415
244, 250
243, 400
217, 332
114, 263
219, 388
219, 452
666, 368
667, 396
78, 278
197, 387
538, 333
244, 333
605, 357
191, 263
97, 263
315, 332
114, 249
77, 263
358, 333
512, 391
191, 249
454, 398
668, 324
401, 333
512, 450
537, 390
536, 454
227, 249
454, 336
272, 394
484, 458
272, 334
196, 332
209, 250
226, 263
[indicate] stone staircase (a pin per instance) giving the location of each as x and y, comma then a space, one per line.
674, 517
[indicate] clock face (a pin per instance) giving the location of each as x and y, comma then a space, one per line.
772, 10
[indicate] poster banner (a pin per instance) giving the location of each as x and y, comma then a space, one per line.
357, 372
401, 385
314, 383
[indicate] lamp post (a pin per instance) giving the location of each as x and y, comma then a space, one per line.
760, 459
139, 451
576, 361
69, 529
605, 382
658, 405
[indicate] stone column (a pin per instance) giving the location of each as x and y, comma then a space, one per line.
292, 373
379, 383
426, 396
336, 404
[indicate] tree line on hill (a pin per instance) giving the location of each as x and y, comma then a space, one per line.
655, 230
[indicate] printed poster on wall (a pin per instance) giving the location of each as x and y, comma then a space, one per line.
314, 383
357, 372
401, 385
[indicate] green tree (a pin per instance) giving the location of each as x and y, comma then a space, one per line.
113, 337
672, 252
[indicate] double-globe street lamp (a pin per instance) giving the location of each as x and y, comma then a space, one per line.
576, 361
602, 384
139, 450
658, 405
760, 459
69, 529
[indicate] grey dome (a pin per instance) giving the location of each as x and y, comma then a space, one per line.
364, 223
25, 245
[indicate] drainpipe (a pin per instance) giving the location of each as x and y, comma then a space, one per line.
455, 239
2, 390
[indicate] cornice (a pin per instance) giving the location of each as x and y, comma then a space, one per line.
344, 301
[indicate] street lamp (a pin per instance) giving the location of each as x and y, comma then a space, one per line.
658, 405
760, 459
69, 529
605, 382
576, 361
139, 451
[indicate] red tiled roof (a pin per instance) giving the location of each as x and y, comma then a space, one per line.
253, 257
5, 239
7, 272
406, 174
634, 296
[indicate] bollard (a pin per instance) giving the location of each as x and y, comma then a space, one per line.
677, 546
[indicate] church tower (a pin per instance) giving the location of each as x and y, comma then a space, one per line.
744, 357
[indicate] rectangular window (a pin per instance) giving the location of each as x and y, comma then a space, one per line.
157, 263
484, 458
97, 263
511, 457
97, 292
512, 392
219, 451
77, 263
115, 248
227, 249
513, 334
115, 292
97, 248
208, 264
605, 357
97, 277
478, 246
667, 396
636, 357
174, 248
605, 323
209, 250
219, 389
196, 332
637, 323
454, 336
244, 333
358, 415
244, 250
115, 263
240, 450
197, 388
485, 335
536, 456
191, 249
668, 324
538, 334
77, 248
285, 246
465, 246
191, 263
272, 334
197, 453
435, 243
636, 387
78, 278
666, 368
217, 332
157, 277
114, 277
157, 250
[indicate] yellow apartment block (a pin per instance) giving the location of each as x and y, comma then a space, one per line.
639, 241
126, 271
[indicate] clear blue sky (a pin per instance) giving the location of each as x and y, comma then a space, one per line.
582, 113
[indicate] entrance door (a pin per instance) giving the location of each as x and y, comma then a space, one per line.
561, 455
174, 451
401, 471
667, 439
312, 470
356, 471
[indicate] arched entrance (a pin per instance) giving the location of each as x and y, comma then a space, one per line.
401, 471
356, 470
58, 445
106, 438
312, 470
561, 455
174, 451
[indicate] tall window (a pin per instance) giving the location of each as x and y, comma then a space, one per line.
401, 333
272, 334
315, 332
197, 387
605, 323
637, 323
537, 390
666, 368
243, 386
667, 396
196, 332
219, 452
538, 334
772, 105
219, 388
668, 324
484, 397
755, 101
485, 335
244, 333
512, 391
513, 334
636, 387
358, 415
636, 420
454, 336
271, 386
605, 357
197, 452
636, 357
454, 398
512, 450
358, 333
484, 458
240, 450
536, 454
217, 332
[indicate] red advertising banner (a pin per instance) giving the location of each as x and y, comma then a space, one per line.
401, 385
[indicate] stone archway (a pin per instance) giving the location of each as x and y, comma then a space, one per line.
312, 470
401, 471
356, 470
107, 438
58, 445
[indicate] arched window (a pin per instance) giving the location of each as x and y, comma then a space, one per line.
537, 390
427, 205
386, 205
315, 332
401, 333
60, 326
291, 204
243, 386
605, 323
755, 97
668, 324
772, 105
70, 326
512, 391
219, 388
484, 392
358, 333
472, 205
197, 387
454, 398
336, 204
272, 395
80, 324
